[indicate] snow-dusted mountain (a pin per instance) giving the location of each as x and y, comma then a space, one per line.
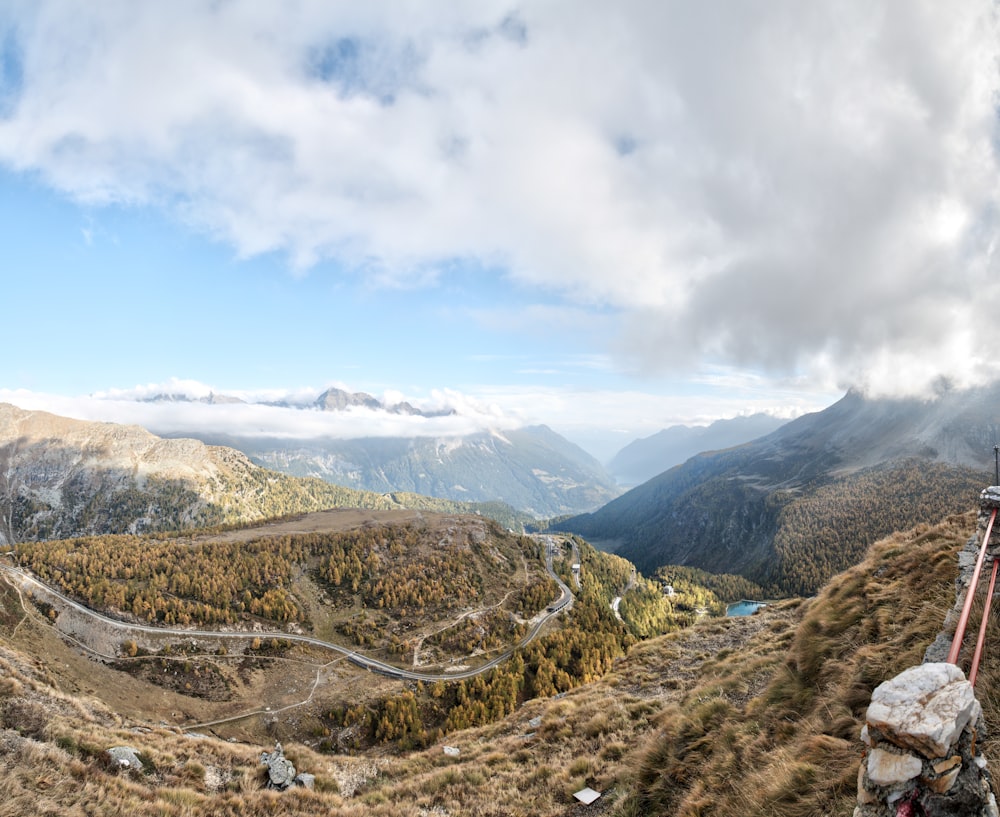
356, 440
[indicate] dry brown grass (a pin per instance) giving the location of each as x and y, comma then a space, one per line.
793, 749
756, 716
587, 737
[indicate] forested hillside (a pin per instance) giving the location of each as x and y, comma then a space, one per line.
755, 715
788, 541
426, 593
789, 510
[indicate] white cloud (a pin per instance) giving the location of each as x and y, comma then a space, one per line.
603, 420
256, 419
786, 186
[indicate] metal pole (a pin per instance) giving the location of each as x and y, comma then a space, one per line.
963, 619
996, 457
978, 654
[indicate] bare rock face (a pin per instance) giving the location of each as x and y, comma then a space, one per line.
924, 708
61, 478
280, 770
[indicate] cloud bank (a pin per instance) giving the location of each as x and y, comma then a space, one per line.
785, 186
602, 421
181, 407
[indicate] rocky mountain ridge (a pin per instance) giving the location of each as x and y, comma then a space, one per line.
333, 399
791, 508
643, 459
61, 477
531, 468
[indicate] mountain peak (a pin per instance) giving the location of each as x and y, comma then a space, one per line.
339, 400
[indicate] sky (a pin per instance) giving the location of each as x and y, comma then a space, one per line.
609, 218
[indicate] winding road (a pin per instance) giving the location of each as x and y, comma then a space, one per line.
25, 580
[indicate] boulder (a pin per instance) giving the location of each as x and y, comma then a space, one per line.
125, 757
925, 708
280, 770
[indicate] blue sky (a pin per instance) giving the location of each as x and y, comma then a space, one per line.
609, 220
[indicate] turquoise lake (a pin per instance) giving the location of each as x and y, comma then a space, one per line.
744, 608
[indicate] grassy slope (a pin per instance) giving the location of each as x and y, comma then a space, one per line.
741, 716
793, 749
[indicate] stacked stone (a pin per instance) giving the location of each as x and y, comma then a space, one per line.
967, 558
921, 756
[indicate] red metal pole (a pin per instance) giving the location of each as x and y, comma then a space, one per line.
963, 619
982, 626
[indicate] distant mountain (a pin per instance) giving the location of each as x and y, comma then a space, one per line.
532, 469
61, 478
211, 399
340, 400
790, 509
332, 399
643, 459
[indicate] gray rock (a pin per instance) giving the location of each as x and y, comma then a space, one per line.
305, 779
126, 758
990, 497
280, 770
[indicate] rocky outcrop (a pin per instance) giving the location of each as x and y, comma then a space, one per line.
922, 726
281, 773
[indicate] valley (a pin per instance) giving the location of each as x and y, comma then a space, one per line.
366, 639
499, 409
726, 715
791, 509
508, 634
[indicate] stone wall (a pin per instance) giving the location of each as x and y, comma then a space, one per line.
921, 756
922, 726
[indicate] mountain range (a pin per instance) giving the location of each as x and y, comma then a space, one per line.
61, 477
643, 459
532, 468
333, 399
790, 509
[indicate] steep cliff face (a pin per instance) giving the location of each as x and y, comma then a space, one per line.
61, 477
